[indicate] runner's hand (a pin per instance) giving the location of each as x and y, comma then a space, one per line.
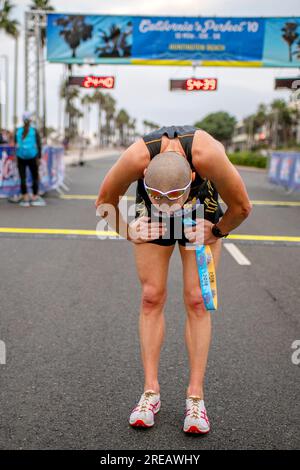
201, 233
141, 230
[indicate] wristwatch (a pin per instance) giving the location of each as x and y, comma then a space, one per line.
217, 232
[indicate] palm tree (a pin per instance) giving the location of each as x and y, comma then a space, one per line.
154, 126
122, 120
86, 101
109, 107
290, 35
282, 118
72, 113
254, 122
43, 5
131, 130
297, 51
108, 42
74, 31
99, 99
146, 126
11, 28
149, 126
63, 94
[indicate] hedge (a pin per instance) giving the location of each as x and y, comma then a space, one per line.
248, 159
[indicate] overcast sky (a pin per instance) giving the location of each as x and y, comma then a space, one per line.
143, 91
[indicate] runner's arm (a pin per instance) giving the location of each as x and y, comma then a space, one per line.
127, 169
214, 164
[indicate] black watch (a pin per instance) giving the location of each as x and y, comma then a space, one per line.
217, 232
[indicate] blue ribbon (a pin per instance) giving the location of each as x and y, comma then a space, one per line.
203, 258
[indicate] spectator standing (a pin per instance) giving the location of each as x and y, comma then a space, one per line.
29, 152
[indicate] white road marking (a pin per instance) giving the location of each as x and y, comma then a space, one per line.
237, 254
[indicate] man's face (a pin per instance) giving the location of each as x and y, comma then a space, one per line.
166, 205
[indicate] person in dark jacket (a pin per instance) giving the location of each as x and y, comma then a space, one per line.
29, 152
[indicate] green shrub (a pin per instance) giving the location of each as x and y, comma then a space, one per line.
248, 159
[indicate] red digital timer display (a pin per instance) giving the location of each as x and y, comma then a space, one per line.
91, 81
203, 84
98, 82
194, 84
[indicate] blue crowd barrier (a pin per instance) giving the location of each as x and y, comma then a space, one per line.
51, 170
284, 169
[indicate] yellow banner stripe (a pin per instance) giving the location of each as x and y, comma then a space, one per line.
200, 63
233, 63
161, 62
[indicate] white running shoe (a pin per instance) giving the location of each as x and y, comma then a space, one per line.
196, 420
39, 201
143, 413
24, 203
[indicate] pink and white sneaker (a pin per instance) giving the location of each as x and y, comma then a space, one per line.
196, 420
143, 413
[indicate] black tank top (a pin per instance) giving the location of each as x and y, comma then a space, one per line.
186, 136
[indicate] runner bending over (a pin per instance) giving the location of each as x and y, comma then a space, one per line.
176, 168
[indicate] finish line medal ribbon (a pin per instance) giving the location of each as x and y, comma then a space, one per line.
206, 271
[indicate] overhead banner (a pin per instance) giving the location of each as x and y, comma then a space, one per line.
160, 40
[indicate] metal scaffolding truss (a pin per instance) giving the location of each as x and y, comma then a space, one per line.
35, 22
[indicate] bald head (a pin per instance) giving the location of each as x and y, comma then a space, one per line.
168, 170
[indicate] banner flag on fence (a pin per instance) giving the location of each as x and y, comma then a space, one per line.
51, 170
285, 169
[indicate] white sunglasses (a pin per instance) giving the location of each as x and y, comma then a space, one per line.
172, 195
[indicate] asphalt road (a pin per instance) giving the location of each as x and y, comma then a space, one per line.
69, 320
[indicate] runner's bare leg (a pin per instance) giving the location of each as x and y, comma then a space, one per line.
198, 321
152, 262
